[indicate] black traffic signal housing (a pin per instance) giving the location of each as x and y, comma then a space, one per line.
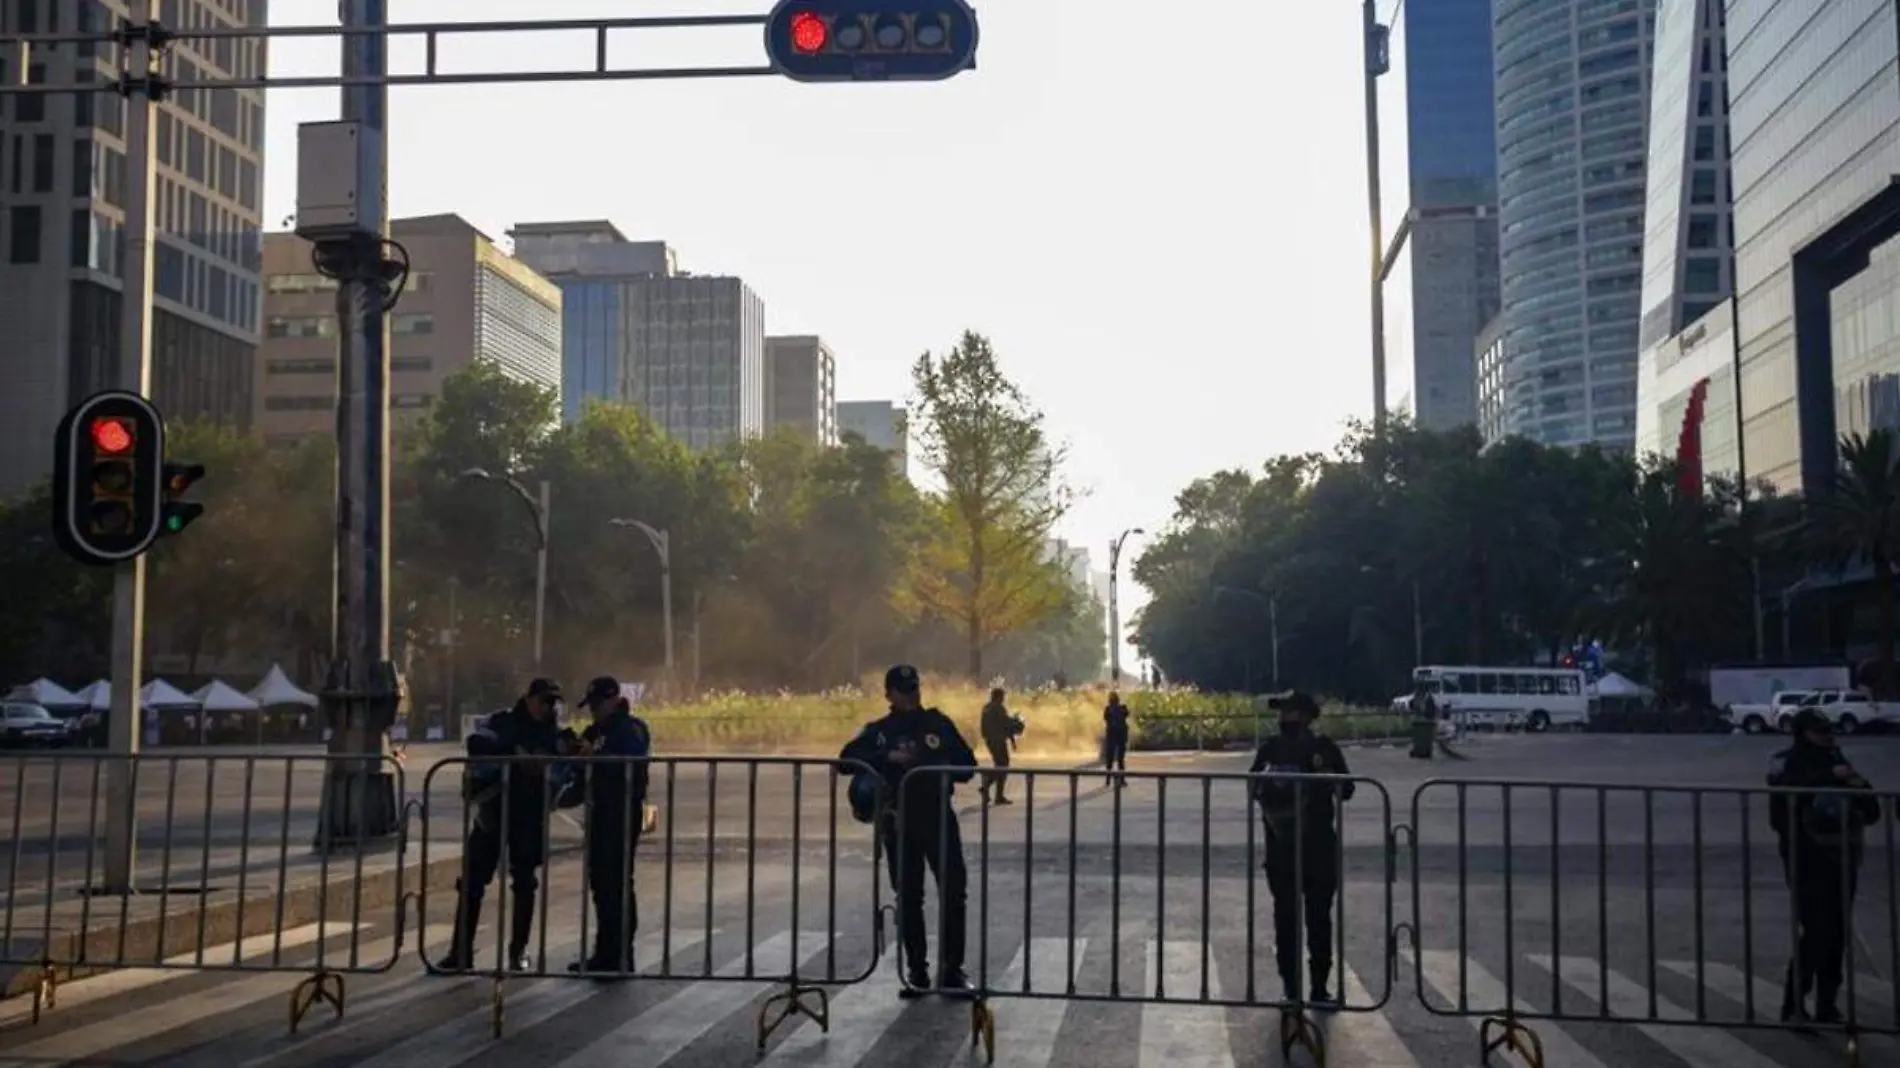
871, 40
178, 513
109, 455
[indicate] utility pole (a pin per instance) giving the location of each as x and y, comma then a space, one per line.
142, 91
541, 575
1114, 605
662, 543
1376, 63
1273, 631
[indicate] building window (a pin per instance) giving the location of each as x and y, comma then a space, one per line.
299, 404
43, 147
411, 363
279, 326
412, 324
411, 400
32, 106
1702, 276
298, 283
1703, 231
1702, 187
1704, 143
321, 365
23, 237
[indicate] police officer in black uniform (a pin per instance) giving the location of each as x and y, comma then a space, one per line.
1115, 738
1000, 731
1822, 839
615, 793
913, 736
1302, 843
517, 790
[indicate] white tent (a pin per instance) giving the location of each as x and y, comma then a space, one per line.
48, 694
161, 694
98, 696
275, 688
219, 697
1614, 685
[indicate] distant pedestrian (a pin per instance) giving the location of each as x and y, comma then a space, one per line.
1000, 731
1302, 846
913, 736
508, 803
1822, 841
615, 793
1115, 739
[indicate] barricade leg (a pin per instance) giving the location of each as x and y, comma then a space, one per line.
792, 1002
1853, 1050
983, 1027
325, 986
1298, 1029
497, 1007
1513, 1037
46, 991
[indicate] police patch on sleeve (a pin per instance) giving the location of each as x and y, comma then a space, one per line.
1319, 762
933, 741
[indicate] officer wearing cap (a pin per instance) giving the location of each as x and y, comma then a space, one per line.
510, 795
615, 794
913, 736
1822, 839
1302, 847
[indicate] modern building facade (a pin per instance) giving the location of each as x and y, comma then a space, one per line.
466, 300
1687, 334
1572, 92
802, 387
1814, 114
881, 424
687, 349
1438, 193
1490, 380
63, 181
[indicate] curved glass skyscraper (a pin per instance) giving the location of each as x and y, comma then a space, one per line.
1572, 85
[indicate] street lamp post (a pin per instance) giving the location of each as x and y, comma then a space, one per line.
538, 510
1114, 604
663, 545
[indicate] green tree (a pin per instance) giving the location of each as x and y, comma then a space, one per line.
1857, 523
986, 568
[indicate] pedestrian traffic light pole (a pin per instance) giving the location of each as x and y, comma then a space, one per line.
934, 39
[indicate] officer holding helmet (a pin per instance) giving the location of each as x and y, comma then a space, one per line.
913, 736
615, 795
1302, 843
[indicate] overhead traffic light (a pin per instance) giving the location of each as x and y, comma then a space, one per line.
871, 40
178, 513
107, 471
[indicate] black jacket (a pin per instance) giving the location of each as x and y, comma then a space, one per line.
1305, 753
615, 791
513, 732
935, 741
1818, 819
998, 726
1115, 718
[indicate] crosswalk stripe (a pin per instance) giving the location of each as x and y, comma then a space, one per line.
1028, 1028
127, 980
1176, 1034
859, 1015
1366, 1038
655, 1036
1629, 998
1868, 990
1441, 971
144, 1024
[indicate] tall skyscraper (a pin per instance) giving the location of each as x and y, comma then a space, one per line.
466, 300
1438, 175
63, 179
1572, 85
802, 392
1688, 254
880, 424
688, 349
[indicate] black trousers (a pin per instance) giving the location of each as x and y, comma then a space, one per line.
616, 907
1823, 895
481, 860
930, 841
999, 756
1314, 881
1115, 752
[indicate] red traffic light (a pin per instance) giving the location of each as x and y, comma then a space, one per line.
809, 33
111, 436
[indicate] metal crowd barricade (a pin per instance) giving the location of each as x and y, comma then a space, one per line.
1626, 895
784, 830
244, 848
1098, 850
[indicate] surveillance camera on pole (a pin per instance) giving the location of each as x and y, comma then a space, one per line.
871, 40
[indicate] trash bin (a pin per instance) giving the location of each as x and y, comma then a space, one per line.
1424, 737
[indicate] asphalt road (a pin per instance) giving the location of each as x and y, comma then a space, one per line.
1656, 901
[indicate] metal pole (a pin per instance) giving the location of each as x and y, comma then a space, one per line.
1273, 624
363, 692
1114, 613
455, 639
1418, 627
135, 374
1373, 68
665, 544
541, 574
698, 619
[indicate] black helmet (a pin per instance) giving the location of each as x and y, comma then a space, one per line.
863, 796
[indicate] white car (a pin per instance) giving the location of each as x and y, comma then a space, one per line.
1848, 710
1775, 715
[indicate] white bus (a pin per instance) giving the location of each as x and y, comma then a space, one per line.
1535, 699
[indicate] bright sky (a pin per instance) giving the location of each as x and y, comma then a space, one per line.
1155, 210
